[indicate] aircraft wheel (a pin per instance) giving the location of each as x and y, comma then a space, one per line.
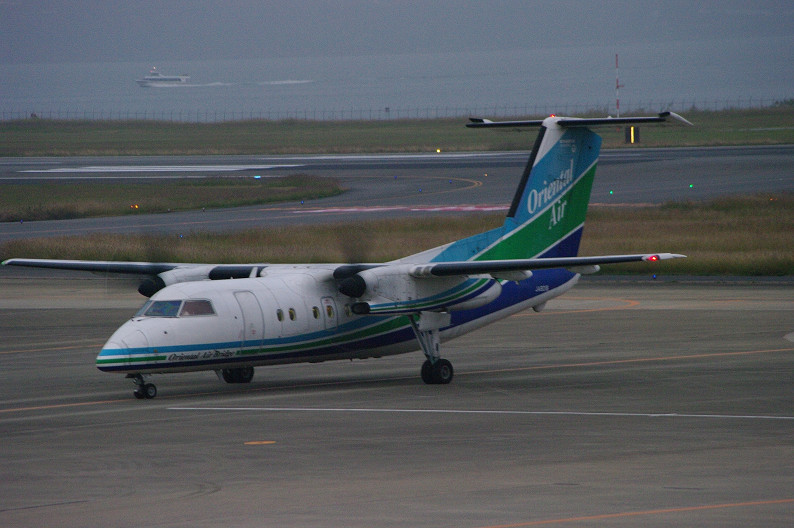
442, 372
245, 375
138, 394
238, 375
427, 372
149, 391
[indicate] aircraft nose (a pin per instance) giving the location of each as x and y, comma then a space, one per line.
135, 340
121, 350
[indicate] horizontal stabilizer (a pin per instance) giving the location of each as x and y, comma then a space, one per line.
478, 122
569, 122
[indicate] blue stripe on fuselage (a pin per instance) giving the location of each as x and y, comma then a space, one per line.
512, 293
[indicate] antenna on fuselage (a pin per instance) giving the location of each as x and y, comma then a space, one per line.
618, 86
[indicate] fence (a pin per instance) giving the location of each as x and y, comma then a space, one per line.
371, 114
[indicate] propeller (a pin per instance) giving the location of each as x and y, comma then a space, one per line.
355, 244
154, 253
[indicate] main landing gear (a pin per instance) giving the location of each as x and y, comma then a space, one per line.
238, 375
435, 370
142, 389
439, 374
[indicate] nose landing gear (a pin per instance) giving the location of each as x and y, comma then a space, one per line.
142, 389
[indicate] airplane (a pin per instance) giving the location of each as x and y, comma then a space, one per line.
233, 318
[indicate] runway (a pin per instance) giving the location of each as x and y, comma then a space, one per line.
395, 185
624, 403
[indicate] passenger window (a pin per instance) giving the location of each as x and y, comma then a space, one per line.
196, 307
316, 312
292, 314
329, 310
348, 311
280, 314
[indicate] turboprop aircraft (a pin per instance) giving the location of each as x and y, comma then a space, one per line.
232, 318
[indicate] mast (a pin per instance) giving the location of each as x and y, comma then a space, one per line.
618, 86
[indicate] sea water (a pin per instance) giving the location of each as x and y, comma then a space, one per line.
674, 75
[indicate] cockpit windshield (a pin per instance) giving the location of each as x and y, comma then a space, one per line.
193, 307
160, 309
189, 308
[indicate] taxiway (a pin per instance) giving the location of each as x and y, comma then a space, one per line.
622, 404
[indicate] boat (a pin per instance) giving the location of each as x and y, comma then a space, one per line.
157, 79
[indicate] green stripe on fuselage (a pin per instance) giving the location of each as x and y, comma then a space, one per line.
127, 360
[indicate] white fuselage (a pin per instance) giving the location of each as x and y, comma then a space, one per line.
292, 314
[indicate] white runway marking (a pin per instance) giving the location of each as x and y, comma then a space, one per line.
427, 208
410, 157
492, 412
161, 168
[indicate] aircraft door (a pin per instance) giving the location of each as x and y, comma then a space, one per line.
270, 306
330, 314
253, 319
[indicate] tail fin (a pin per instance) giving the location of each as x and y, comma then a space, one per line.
548, 210
547, 215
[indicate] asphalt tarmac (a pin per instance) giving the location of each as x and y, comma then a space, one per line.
629, 403
645, 403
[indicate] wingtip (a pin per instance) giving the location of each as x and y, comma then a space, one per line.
677, 117
662, 256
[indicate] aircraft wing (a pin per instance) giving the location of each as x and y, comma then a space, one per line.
496, 267
431, 269
577, 264
98, 266
158, 274
351, 277
401, 288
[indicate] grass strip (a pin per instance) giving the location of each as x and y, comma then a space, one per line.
42, 137
54, 201
736, 235
748, 235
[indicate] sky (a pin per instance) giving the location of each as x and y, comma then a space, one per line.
80, 31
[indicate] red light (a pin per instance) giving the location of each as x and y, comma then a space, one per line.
653, 258
553, 115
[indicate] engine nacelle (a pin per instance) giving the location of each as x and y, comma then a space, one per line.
153, 284
354, 286
399, 289
490, 294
